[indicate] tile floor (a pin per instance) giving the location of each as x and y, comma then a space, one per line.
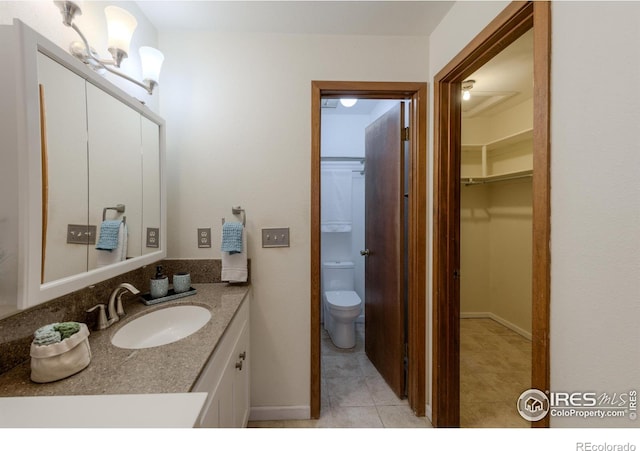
495, 368
354, 395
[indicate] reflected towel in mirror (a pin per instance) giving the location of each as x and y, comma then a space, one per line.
108, 257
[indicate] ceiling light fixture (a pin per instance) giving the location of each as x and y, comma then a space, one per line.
348, 103
120, 27
467, 86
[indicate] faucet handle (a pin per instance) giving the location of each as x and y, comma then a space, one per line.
119, 307
102, 316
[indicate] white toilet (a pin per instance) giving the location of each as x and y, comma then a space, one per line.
342, 305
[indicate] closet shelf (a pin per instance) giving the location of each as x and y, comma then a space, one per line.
507, 157
522, 136
497, 178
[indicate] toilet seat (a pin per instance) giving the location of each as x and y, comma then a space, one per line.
343, 300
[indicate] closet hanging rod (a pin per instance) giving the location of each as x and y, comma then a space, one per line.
470, 180
360, 159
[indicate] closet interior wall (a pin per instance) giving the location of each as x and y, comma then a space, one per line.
496, 218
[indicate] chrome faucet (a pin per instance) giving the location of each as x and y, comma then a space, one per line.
114, 309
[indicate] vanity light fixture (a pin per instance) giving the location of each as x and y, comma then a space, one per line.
467, 86
120, 26
348, 103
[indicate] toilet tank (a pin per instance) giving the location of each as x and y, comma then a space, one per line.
338, 276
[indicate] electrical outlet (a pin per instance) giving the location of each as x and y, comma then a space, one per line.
153, 237
204, 237
275, 237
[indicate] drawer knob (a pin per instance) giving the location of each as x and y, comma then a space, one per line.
239, 365
243, 355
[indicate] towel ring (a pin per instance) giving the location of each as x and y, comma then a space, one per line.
119, 208
236, 211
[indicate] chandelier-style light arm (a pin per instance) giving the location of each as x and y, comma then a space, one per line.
149, 88
89, 52
105, 64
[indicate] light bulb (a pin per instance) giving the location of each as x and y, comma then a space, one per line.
120, 27
348, 103
151, 60
466, 95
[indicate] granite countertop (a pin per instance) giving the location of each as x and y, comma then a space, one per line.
172, 368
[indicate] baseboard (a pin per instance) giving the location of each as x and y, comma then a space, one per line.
274, 413
504, 322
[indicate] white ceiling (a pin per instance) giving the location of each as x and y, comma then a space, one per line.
501, 83
386, 18
506, 80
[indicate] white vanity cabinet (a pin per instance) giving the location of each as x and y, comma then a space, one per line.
226, 377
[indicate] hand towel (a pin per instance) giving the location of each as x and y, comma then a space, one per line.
336, 200
46, 335
108, 239
119, 254
234, 266
232, 237
67, 329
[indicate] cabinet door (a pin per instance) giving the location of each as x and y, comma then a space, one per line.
224, 397
150, 183
64, 127
241, 380
115, 166
210, 414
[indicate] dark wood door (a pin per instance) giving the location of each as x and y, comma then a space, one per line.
384, 235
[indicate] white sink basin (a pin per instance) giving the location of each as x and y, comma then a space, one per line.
161, 327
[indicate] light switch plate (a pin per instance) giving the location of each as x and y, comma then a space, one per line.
204, 237
153, 237
81, 234
275, 237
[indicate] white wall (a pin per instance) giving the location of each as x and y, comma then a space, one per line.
45, 18
495, 225
595, 200
337, 135
238, 111
595, 192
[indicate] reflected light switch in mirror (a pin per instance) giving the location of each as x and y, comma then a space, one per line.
81, 234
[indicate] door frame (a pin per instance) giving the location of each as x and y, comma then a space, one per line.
510, 24
417, 268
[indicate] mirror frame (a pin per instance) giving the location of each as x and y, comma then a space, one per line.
30, 291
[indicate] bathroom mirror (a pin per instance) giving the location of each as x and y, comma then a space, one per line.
100, 160
83, 148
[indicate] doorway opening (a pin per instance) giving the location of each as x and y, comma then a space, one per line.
515, 20
415, 95
364, 292
496, 169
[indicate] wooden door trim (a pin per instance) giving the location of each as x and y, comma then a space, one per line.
511, 23
417, 268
